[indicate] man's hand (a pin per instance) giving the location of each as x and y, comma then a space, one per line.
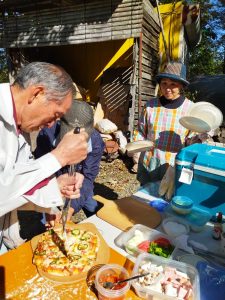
79, 181
70, 185
52, 219
72, 149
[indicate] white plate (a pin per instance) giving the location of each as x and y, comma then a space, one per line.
208, 113
195, 124
139, 146
202, 103
202, 117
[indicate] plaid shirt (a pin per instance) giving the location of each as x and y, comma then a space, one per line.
161, 125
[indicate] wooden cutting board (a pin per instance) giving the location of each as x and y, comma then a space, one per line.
126, 212
102, 255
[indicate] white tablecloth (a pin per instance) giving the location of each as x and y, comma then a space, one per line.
110, 232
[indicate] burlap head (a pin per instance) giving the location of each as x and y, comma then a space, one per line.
79, 115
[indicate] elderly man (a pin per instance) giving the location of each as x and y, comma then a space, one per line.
41, 94
80, 114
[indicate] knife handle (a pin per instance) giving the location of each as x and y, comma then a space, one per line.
72, 168
76, 130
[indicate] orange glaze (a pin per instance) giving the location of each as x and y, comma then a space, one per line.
112, 278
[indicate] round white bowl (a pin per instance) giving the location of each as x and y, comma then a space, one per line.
175, 227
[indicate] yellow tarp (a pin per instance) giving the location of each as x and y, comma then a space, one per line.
171, 15
126, 45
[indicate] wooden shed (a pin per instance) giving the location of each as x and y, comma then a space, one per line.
109, 47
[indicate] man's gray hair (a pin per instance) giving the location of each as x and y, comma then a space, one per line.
56, 81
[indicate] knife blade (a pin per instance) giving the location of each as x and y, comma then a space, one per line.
60, 243
65, 214
65, 210
71, 172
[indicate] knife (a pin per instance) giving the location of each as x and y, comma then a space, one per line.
71, 172
60, 243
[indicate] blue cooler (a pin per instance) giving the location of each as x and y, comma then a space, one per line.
207, 186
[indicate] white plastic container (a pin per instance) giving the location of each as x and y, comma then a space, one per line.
151, 294
175, 226
197, 219
181, 205
148, 234
105, 272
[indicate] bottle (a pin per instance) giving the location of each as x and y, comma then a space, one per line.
217, 229
223, 239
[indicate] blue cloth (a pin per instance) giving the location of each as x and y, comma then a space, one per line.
159, 204
212, 281
47, 140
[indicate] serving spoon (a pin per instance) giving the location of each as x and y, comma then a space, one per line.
110, 285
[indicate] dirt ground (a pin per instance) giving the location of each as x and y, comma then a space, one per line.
114, 181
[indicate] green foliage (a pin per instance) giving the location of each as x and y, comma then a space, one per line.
4, 77
209, 56
191, 95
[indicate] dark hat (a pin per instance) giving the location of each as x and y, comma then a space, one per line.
80, 115
174, 71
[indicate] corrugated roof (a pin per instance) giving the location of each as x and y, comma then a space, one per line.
27, 5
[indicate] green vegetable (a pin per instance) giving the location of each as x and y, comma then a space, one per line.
85, 237
55, 262
75, 231
38, 252
166, 251
82, 246
75, 257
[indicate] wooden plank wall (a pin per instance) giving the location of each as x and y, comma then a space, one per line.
149, 57
94, 21
82, 22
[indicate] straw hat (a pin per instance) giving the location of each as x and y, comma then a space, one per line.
79, 115
174, 71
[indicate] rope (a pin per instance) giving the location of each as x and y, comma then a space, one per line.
163, 33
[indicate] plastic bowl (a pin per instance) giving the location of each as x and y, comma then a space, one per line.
182, 204
175, 227
107, 273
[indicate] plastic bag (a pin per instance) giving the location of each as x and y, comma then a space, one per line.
121, 140
212, 281
166, 187
105, 126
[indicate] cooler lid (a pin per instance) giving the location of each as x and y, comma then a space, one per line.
210, 157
